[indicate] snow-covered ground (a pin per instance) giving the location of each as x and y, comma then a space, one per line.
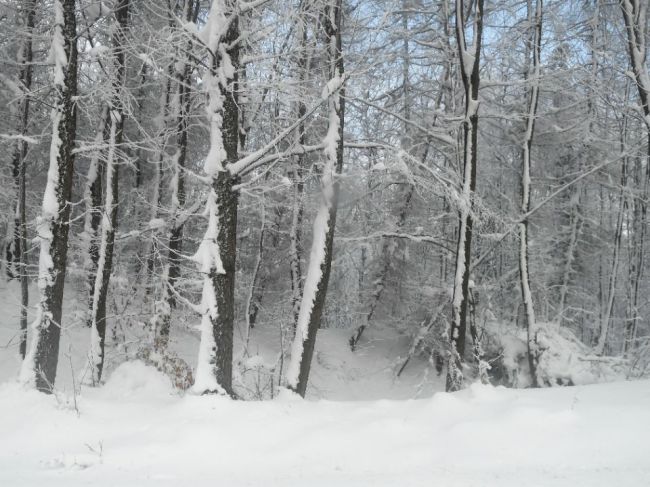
134, 431
358, 429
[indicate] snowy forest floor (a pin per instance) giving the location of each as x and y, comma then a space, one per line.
135, 430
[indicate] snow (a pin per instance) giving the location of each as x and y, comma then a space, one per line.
215, 28
332, 86
98, 51
20, 137
136, 431
208, 258
57, 51
156, 224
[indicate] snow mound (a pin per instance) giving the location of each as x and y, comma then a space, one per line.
563, 359
135, 379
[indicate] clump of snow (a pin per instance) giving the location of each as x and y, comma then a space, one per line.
156, 224
98, 51
57, 50
135, 379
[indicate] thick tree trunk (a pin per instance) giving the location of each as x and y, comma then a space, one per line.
40, 364
469, 64
320, 259
217, 253
17, 262
109, 218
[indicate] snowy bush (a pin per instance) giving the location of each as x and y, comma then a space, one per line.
563, 358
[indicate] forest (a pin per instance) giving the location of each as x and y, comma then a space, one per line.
352, 200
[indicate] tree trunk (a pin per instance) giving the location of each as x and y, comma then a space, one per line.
296, 175
178, 197
635, 17
320, 260
39, 366
109, 218
469, 64
93, 200
524, 268
17, 258
217, 252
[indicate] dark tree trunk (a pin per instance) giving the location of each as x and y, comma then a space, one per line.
17, 264
41, 362
313, 300
218, 250
94, 207
109, 223
469, 64
175, 245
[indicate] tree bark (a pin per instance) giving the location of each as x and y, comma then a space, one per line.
635, 18
524, 265
109, 218
17, 261
93, 199
40, 364
217, 253
469, 64
320, 260
178, 196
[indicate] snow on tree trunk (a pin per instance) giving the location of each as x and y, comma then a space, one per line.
93, 202
217, 252
40, 364
180, 107
109, 217
469, 64
320, 259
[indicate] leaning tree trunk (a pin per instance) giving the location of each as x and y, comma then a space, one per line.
217, 252
469, 67
109, 218
296, 175
40, 364
17, 265
524, 267
320, 259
